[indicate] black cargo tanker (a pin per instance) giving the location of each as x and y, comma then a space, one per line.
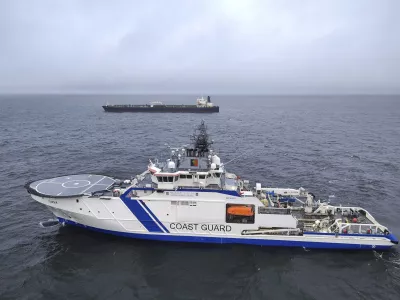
202, 106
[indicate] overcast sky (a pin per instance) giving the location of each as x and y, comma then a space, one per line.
204, 46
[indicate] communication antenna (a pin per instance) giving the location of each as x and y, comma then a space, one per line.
237, 157
200, 138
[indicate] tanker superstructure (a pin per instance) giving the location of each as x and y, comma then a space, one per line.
202, 106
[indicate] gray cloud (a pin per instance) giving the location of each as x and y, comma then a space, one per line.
200, 46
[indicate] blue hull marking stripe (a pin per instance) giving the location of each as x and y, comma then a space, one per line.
230, 193
154, 216
226, 192
215, 240
141, 214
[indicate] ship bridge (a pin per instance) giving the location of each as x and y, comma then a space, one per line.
195, 167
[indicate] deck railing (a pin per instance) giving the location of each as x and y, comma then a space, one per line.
354, 228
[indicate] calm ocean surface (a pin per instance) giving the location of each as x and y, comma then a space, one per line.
344, 148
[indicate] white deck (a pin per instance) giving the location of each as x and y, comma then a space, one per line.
71, 185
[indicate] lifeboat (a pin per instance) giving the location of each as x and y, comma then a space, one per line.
240, 210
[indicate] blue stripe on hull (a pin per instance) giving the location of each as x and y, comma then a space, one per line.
154, 216
141, 215
225, 192
215, 240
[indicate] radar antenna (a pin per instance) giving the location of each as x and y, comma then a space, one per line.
200, 138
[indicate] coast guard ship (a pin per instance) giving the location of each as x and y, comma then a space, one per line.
191, 197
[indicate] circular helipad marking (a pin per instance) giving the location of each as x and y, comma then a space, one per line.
75, 183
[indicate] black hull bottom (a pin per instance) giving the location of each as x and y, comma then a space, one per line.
214, 109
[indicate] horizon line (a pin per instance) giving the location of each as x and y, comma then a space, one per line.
81, 93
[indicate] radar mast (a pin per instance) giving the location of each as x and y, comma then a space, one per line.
200, 138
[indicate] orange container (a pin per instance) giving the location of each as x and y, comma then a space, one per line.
240, 210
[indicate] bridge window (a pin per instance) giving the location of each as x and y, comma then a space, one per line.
182, 176
240, 213
166, 179
202, 176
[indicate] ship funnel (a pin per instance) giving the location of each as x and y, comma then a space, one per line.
208, 99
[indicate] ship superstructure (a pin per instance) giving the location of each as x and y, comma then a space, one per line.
191, 197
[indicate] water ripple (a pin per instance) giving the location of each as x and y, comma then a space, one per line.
333, 145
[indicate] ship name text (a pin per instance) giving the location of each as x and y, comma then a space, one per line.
203, 227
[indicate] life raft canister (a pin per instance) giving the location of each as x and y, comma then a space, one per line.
240, 210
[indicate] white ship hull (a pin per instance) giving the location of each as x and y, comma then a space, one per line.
98, 216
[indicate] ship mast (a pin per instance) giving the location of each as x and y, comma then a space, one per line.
200, 138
